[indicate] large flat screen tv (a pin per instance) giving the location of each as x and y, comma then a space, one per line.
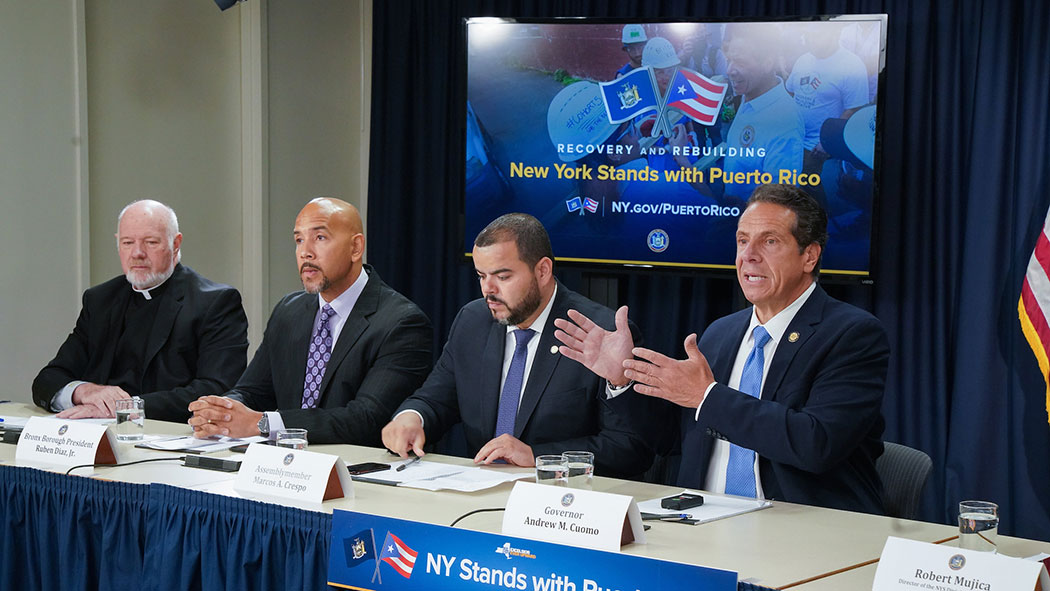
638, 143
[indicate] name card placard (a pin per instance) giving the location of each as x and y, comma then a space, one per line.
907, 564
305, 476
62, 443
582, 518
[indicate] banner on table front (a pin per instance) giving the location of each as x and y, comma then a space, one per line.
428, 557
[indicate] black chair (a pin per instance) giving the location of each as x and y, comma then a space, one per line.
904, 471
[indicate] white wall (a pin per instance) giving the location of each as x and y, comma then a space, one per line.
164, 103
115, 100
41, 220
316, 93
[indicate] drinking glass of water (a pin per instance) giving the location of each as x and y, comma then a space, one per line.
292, 438
552, 470
131, 419
978, 525
581, 468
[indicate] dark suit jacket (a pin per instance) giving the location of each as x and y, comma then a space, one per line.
383, 354
817, 428
198, 344
563, 404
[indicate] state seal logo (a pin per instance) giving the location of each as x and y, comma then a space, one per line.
358, 548
747, 136
658, 240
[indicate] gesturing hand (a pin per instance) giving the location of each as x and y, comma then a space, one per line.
597, 349
682, 381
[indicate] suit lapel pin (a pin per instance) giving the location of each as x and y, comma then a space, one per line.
554, 349
793, 337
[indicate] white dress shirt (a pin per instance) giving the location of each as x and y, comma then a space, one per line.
509, 343
342, 305
776, 327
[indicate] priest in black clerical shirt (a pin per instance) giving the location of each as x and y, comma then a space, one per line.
161, 331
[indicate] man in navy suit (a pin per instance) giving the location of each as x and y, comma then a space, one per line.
779, 401
502, 376
336, 358
160, 331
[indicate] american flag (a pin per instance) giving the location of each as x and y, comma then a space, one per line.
590, 204
698, 97
1033, 307
398, 555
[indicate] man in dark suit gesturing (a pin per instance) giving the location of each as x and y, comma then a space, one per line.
161, 331
782, 400
337, 358
500, 373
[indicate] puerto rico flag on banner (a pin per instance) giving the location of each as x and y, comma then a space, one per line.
1033, 307
590, 204
398, 555
696, 96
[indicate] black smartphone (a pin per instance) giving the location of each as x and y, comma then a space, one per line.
366, 467
244, 446
682, 501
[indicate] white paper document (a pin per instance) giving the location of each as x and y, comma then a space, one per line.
715, 507
191, 444
13, 421
437, 476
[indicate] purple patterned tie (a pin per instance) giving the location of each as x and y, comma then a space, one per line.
320, 353
508, 400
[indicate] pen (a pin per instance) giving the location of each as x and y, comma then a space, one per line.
671, 517
408, 463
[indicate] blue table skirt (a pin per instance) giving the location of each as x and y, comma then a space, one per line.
74, 533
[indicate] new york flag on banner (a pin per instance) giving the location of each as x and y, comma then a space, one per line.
398, 555
630, 95
698, 97
1033, 307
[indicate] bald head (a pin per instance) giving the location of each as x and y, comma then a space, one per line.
154, 210
329, 246
339, 210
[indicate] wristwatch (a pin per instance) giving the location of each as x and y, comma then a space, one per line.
264, 426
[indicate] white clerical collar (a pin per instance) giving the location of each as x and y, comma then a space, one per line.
146, 292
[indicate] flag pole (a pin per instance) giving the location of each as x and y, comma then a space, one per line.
662, 125
375, 549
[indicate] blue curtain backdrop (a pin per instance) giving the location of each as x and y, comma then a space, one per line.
964, 189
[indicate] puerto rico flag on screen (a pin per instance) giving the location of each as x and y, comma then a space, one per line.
696, 96
398, 555
1033, 307
590, 204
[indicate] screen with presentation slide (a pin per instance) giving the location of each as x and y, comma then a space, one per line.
638, 143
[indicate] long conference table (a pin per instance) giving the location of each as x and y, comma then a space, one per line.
165, 526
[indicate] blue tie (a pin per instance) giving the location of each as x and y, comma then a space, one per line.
740, 474
508, 399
